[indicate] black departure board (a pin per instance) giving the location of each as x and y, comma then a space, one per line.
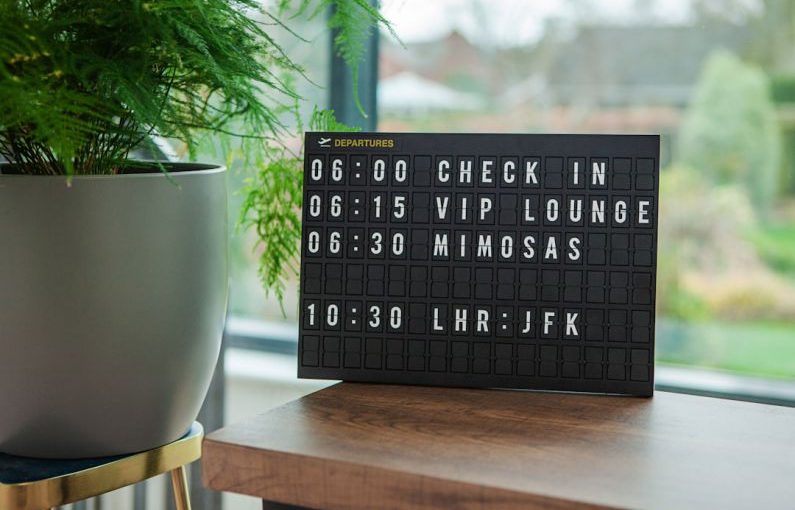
488, 260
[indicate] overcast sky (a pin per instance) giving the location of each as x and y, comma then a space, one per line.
513, 22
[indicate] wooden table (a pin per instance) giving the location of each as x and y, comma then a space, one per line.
363, 446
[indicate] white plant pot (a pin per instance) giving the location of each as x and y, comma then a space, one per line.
113, 293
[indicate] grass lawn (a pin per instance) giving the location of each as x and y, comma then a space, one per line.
755, 348
776, 246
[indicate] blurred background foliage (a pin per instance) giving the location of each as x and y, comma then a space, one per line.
730, 132
715, 78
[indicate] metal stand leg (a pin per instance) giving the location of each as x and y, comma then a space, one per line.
179, 482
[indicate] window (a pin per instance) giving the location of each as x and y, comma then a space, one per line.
718, 83
247, 297
716, 80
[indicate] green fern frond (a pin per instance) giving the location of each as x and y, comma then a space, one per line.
272, 207
324, 120
354, 20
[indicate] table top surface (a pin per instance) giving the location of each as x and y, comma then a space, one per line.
382, 446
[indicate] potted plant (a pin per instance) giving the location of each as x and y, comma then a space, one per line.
113, 277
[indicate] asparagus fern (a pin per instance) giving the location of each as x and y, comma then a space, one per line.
84, 82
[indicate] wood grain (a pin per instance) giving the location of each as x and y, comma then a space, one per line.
363, 446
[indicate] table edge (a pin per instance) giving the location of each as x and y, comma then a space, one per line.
216, 460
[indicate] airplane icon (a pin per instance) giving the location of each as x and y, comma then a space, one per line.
324, 142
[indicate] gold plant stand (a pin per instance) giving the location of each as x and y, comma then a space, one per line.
38, 484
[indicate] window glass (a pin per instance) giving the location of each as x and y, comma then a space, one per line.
247, 297
716, 79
